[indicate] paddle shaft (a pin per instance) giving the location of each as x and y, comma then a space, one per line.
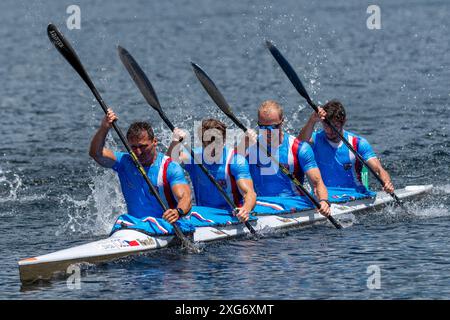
63, 46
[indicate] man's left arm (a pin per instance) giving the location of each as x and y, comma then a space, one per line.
376, 166
248, 193
309, 166
180, 190
241, 171
367, 153
320, 190
182, 193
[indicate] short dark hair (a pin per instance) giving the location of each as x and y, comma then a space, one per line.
136, 128
208, 124
335, 111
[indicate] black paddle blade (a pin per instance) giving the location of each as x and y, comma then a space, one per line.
66, 50
289, 71
211, 89
215, 94
139, 78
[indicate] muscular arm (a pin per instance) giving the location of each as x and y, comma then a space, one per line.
97, 150
175, 150
316, 181
249, 139
376, 166
246, 188
182, 193
174, 145
320, 190
307, 131
309, 166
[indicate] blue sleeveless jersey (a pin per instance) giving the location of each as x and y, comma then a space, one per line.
163, 174
338, 165
227, 171
268, 179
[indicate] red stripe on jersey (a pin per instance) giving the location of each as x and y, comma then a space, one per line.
358, 164
298, 173
237, 198
167, 190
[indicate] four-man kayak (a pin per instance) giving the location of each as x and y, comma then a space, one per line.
126, 241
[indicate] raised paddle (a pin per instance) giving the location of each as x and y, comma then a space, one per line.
64, 47
218, 98
295, 80
146, 88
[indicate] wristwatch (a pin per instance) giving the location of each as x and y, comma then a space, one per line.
181, 212
326, 200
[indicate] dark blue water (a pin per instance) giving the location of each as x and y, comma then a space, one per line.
393, 82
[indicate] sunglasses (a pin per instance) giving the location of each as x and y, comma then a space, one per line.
270, 126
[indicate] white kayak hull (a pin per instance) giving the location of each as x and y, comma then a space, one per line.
127, 242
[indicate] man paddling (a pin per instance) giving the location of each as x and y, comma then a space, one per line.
165, 174
228, 168
336, 162
291, 153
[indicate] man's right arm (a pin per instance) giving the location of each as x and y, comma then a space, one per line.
175, 149
307, 131
249, 139
97, 150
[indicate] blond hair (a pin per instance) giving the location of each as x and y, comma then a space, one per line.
270, 105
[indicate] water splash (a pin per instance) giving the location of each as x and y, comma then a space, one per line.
437, 205
444, 189
95, 214
347, 220
430, 207
433, 211
10, 185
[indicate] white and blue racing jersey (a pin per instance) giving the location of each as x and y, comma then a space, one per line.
269, 181
227, 171
338, 165
163, 174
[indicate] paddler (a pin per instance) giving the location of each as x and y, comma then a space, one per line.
291, 153
336, 162
228, 168
165, 174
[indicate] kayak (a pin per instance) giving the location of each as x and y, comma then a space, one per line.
126, 242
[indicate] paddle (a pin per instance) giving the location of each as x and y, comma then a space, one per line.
64, 47
290, 73
218, 98
146, 88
